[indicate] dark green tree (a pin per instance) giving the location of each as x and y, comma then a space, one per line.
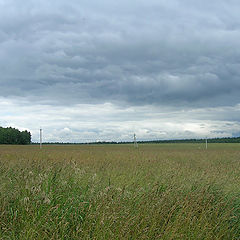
11, 135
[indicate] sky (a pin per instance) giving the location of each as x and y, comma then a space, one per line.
88, 71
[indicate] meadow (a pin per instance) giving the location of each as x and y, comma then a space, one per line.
156, 191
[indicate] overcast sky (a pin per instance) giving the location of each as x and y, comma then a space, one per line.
102, 70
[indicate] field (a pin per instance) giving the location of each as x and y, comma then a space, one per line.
158, 191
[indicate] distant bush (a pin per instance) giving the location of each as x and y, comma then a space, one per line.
11, 135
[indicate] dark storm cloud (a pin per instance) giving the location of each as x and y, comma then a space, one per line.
177, 53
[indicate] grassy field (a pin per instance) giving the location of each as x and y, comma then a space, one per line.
161, 191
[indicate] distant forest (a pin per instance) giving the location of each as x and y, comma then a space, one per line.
210, 140
11, 135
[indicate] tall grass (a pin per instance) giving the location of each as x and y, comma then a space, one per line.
117, 192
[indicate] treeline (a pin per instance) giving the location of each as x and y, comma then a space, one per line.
11, 135
210, 140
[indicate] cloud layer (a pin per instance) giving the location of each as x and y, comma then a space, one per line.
108, 122
161, 56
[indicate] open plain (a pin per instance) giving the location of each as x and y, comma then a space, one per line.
156, 191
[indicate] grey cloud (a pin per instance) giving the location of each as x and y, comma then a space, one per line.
178, 53
83, 123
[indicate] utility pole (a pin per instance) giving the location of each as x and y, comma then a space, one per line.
135, 141
40, 138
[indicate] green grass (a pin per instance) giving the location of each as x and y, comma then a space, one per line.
158, 191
